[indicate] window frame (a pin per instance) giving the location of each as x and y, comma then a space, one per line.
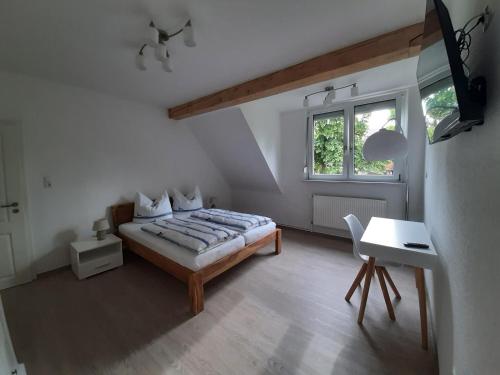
348, 107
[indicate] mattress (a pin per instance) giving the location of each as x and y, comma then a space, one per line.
179, 254
257, 233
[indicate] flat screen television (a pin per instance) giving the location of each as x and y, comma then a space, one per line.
450, 102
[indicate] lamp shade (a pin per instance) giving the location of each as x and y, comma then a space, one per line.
167, 64
154, 36
161, 51
100, 224
188, 34
140, 61
385, 145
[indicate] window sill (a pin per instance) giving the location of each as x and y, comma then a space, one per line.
357, 181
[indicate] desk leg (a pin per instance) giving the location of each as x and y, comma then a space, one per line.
366, 289
420, 281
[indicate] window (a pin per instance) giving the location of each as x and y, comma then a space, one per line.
368, 119
337, 137
439, 101
328, 136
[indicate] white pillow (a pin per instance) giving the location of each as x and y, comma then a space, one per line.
147, 210
189, 202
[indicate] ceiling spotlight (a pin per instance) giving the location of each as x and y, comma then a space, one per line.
306, 102
329, 97
354, 90
188, 34
154, 35
140, 61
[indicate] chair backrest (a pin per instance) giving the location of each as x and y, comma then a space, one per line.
357, 230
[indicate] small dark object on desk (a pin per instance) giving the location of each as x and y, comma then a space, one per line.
416, 245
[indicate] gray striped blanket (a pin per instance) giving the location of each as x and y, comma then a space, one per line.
197, 235
230, 219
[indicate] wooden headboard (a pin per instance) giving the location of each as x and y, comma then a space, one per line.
122, 213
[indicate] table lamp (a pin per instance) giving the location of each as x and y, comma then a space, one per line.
101, 226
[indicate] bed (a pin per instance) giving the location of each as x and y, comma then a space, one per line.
194, 270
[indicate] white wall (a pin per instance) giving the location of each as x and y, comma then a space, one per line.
293, 206
97, 150
462, 208
264, 121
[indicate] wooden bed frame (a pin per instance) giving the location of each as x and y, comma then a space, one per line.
123, 213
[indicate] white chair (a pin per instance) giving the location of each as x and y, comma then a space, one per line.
357, 230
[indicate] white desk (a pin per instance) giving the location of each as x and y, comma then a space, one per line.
384, 239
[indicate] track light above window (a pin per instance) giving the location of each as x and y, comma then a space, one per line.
330, 97
354, 90
159, 39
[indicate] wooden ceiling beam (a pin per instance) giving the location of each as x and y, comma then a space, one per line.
381, 50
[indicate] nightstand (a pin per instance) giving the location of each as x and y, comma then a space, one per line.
90, 257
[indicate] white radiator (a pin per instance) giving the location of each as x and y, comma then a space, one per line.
329, 211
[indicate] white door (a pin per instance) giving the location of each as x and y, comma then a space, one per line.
15, 259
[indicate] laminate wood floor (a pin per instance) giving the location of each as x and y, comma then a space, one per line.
271, 314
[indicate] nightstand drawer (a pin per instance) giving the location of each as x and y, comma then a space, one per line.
91, 257
94, 266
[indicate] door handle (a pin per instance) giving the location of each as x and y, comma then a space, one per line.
15, 204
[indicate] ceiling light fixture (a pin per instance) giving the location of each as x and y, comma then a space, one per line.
158, 39
330, 97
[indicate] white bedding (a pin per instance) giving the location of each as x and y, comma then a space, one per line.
250, 236
257, 233
178, 254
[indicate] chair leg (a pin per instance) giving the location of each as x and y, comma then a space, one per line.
388, 303
356, 281
366, 289
391, 283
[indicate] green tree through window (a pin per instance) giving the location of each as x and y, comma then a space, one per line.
329, 144
439, 105
361, 165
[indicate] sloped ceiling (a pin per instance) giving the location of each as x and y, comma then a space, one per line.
228, 140
93, 43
